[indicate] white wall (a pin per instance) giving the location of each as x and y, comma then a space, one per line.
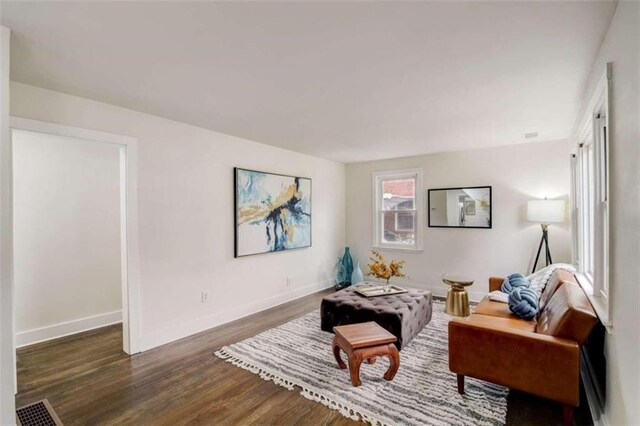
517, 174
186, 216
621, 46
66, 201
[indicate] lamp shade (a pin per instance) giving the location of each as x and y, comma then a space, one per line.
545, 211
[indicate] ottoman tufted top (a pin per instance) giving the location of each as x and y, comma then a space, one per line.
403, 315
408, 301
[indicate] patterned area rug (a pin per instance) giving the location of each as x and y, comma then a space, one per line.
423, 392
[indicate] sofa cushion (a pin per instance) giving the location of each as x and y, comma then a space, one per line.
568, 315
496, 309
510, 323
559, 278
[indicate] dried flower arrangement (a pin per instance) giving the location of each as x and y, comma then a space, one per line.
380, 269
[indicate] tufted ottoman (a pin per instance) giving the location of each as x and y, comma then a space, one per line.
403, 315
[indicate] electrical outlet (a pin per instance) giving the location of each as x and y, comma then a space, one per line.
205, 297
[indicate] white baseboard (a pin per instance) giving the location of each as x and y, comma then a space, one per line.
30, 337
189, 328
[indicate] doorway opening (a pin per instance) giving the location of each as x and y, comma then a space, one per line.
113, 200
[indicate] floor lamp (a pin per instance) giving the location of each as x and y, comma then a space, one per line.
545, 212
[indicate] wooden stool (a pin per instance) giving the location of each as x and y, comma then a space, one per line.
365, 341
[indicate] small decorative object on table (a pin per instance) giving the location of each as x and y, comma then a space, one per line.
371, 290
457, 297
379, 269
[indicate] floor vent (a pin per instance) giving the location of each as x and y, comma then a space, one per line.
37, 414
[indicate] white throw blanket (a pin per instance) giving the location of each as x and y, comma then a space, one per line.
499, 296
537, 281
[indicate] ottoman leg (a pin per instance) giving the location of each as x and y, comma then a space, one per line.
394, 362
336, 353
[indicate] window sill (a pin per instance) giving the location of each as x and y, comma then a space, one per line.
599, 303
585, 283
398, 249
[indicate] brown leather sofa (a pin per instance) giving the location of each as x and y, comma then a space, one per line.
541, 356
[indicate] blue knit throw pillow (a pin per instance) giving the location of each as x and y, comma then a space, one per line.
513, 281
523, 302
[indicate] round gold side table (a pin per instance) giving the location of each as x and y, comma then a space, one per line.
457, 297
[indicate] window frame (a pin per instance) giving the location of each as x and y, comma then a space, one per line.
378, 213
590, 170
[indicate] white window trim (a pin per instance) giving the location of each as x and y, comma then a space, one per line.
376, 241
598, 286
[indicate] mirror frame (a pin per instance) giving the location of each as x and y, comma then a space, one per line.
458, 188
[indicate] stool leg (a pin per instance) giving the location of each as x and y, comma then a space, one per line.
394, 362
355, 360
336, 353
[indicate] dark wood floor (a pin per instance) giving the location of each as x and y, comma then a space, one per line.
89, 380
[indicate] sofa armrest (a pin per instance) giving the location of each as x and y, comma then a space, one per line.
543, 365
495, 283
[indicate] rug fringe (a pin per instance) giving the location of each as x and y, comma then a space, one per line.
268, 375
263, 373
346, 411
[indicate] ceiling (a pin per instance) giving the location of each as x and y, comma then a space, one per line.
347, 81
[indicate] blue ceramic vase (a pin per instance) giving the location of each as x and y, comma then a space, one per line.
347, 262
357, 276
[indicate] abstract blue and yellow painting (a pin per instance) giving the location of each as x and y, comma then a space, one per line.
273, 212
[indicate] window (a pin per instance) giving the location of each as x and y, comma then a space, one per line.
397, 209
586, 210
590, 215
404, 222
602, 203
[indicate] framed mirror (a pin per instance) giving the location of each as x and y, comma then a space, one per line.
468, 207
